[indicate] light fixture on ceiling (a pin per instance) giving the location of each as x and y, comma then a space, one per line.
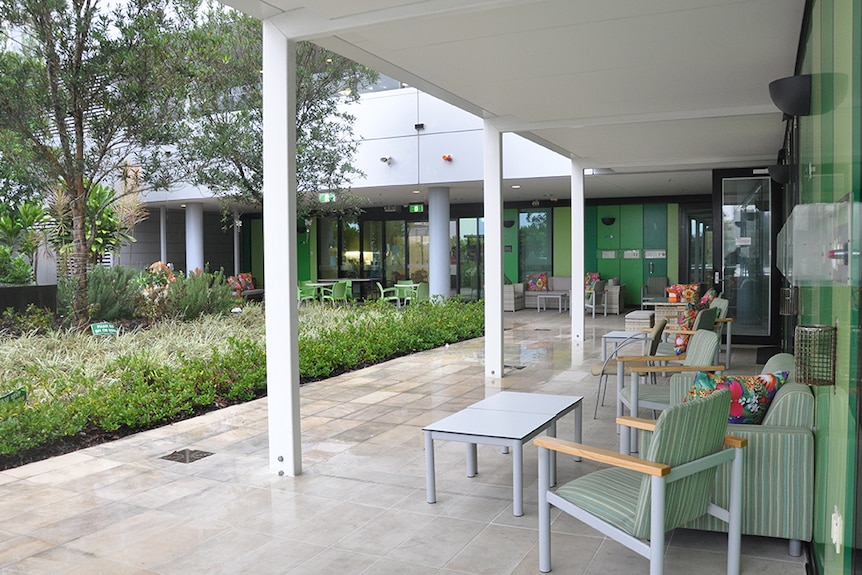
417, 191
516, 187
792, 95
608, 220
508, 223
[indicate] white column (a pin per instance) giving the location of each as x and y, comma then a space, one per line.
163, 234
279, 243
438, 232
493, 153
194, 237
578, 259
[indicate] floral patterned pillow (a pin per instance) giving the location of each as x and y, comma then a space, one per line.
592, 278
750, 395
686, 322
707, 298
686, 293
537, 282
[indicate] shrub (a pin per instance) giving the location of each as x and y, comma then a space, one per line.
32, 320
199, 294
14, 269
113, 293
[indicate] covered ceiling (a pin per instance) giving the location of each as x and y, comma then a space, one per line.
661, 92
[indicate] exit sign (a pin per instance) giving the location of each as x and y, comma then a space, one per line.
326, 198
417, 208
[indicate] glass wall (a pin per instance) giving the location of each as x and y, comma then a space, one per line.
351, 258
395, 256
372, 249
471, 267
327, 249
534, 242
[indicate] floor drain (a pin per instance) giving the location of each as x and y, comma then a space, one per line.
542, 329
186, 455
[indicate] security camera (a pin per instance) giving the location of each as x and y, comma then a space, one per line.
386, 159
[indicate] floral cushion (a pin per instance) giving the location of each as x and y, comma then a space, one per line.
686, 293
707, 298
241, 282
686, 322
750, 394
537, 282
591, 279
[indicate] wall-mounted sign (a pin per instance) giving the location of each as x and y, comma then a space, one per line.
507, 249
655, 254
743, 241
609, 254
631, 254
417, 208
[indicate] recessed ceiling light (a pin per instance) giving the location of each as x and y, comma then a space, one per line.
417, 191
516, 187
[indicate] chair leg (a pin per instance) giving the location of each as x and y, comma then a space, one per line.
656, 530
544, 511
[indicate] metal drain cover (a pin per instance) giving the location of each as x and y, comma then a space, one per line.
186, 455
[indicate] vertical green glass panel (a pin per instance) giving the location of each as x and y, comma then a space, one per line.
256, 267
562, 229
303, 251
351, 257
372, 249
394, 254
535, 242
590, 245
510, 245
327, 252
608, 236
631, 227
673, 243
418, 244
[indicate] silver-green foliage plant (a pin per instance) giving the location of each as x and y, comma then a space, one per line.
14, 270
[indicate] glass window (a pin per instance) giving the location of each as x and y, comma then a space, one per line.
350, 256
372, 249
395, 258
534, 242
417, 248
327, 248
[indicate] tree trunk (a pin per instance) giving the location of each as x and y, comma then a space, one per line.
78, 260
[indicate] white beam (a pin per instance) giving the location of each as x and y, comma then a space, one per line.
493, 154
438, 250
279, 242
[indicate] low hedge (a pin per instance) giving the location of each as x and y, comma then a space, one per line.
147, 387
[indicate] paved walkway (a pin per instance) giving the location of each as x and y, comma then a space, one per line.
359, 507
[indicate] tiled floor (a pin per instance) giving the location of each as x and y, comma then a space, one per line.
359, 506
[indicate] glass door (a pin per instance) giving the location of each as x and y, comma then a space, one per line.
746, 254
471, 245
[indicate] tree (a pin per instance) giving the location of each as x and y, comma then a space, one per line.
223, 133
85, 90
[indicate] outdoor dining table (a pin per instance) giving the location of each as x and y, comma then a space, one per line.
319, 285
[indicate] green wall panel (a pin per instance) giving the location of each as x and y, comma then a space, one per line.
608, 268
257, 251
510, 239
829, 142
608, 236
631, 276
673, 243
655, 226
590, 245
563, 241
631, 227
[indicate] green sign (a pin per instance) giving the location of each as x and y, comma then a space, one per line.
326, 198
417, 208
19, 394
103, 328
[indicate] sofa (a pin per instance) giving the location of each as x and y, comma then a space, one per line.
513, 297
778, 473
555, 285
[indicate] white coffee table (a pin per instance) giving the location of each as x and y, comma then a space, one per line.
542, 304
622, 336
508, 419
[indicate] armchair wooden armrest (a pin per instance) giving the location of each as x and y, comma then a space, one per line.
680, 331
640, 358
724, 320
602, 456
678, 368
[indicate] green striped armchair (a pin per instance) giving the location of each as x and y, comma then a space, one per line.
778, 477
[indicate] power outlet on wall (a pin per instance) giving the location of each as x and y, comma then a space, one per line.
837, 529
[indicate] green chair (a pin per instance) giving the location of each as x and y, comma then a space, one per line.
636, 395
306, 293
337, 293
721, 319
405, 289
423, 292
609, 366
705, 319
635, 501
389, 294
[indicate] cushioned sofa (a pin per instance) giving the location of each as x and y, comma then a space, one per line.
778, 476
556, 285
